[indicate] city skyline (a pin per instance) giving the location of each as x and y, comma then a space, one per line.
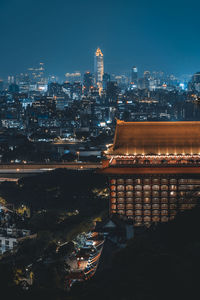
128, 33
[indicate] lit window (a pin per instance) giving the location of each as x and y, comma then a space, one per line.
147, 187
129, 187
155, 187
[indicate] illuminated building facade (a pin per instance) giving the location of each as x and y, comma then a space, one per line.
37, 77
153, 170
134, 77
99, 69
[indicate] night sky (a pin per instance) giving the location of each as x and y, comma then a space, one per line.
154, 35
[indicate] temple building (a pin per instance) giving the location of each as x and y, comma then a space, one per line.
153, 170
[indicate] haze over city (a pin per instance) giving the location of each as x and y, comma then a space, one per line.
65, 34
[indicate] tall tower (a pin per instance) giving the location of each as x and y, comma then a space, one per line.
98, 69
134, 75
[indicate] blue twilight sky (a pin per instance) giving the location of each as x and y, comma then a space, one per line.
151, 34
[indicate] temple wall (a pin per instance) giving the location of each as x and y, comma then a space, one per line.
147, 199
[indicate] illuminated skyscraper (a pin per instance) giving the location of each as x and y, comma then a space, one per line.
87, 82
37, 77
98, 69
134, 75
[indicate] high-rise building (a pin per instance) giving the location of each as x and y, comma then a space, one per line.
134, 76
37, 77
87, 82
153, 169
73, 77
106, 79
99, 69
194, 85
1, 85
11, 79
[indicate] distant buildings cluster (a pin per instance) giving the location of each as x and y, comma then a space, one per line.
51, 115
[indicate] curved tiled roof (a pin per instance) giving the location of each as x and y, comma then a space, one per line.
156, 138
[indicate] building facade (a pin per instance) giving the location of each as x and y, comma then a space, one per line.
153, 170
99, 69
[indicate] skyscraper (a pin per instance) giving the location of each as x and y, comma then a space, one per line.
98, 69
87, 82
134, 75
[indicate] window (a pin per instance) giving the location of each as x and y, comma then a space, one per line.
129, 187
138, 212
173, 194
129, 181
156, 181
164, 206
113, 206
155, 212
164, 187
129, 206
113, 181
194, 181
120, 206
129, 212
155, 187
129, 200
173, 181
182, 194
138, 200
164, 219
138, 206
182, 181
120, 181
129, 194
120, 194
138, 187
155, 200
164, 194
120, 200
147, 206
155, 194
164, 181
147, 193
182, 187
147, 219
147, 212
147, 181
164, 200
172, 200
138, 181
164, 212
138, 219
138, 194
147, 187
147, 200
173, 187
113, 200
155, 206
113, 188
156, 219
120, 188
173, 206
113, 194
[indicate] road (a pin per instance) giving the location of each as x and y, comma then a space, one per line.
9, 170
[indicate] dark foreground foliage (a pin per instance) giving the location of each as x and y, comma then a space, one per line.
162, 263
